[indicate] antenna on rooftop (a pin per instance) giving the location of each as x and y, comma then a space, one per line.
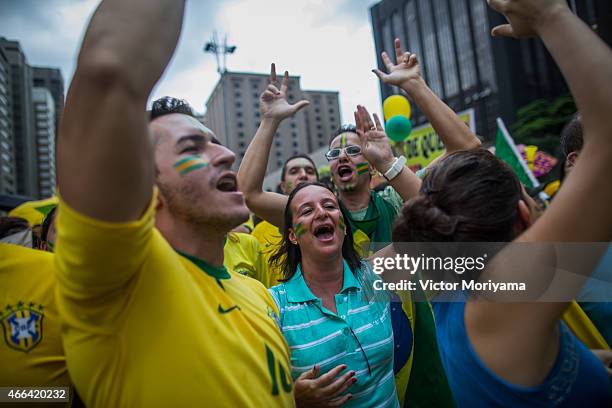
214, 47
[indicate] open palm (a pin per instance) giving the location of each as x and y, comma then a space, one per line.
273, 102
374, 142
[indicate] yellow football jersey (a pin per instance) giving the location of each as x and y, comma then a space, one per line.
270, 238
31, 352
146, 326
242, 254
35, 211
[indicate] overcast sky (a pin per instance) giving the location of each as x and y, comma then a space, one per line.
328, 43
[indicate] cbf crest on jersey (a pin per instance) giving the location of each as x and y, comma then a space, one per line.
22, 325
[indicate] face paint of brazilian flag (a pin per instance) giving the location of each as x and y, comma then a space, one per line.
363, 168
341, 222
299, 229
343, 140
188, 164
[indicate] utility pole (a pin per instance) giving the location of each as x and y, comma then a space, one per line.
214, 47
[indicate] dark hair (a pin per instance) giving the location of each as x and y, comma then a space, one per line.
571, 136
46, 225
167, 105
342, 129
12, 225
298, 156
288, 255
468, 196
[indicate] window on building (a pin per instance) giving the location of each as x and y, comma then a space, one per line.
447, 48
429, 42
239, 124
467, 69
483, 44
398, 29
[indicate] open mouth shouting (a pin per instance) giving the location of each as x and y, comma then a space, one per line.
345, 172
227, 183
324, 232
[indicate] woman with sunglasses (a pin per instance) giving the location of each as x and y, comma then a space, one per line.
339, 334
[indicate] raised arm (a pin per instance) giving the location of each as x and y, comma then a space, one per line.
376, 148
105, 159
406, 74
274, 109
581, 209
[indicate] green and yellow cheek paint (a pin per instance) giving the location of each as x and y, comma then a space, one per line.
288, 186
341, 222
299, 229
363, 168
188, 164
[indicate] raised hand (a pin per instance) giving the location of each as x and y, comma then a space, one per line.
273, 102
404, 72
525, 16
374, 142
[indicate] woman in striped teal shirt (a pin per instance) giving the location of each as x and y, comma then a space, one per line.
339, 332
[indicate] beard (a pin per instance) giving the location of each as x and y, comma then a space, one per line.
187, 202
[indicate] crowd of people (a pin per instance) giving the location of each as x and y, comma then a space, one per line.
145, 282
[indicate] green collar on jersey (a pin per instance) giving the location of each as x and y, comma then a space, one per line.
219, 272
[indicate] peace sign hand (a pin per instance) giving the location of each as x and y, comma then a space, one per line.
273, 102
404, 73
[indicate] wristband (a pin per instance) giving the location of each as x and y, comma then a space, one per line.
396, 168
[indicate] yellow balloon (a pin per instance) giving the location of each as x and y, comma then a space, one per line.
396, 105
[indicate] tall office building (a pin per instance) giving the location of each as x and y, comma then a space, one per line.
322, 117
24, 138
44, 115
51, 78
8, 183
31, 101
462, 63
232, 112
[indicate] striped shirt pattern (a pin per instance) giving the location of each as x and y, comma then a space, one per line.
318, 336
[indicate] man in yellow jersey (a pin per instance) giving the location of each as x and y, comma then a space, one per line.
296, 170
150, 316
31, 350
242, 254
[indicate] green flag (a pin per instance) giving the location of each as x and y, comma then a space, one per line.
506, 150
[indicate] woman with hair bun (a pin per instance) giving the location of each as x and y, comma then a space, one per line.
520, 354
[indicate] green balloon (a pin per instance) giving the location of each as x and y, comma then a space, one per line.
398, 128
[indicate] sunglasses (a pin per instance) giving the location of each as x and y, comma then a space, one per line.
351, 150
